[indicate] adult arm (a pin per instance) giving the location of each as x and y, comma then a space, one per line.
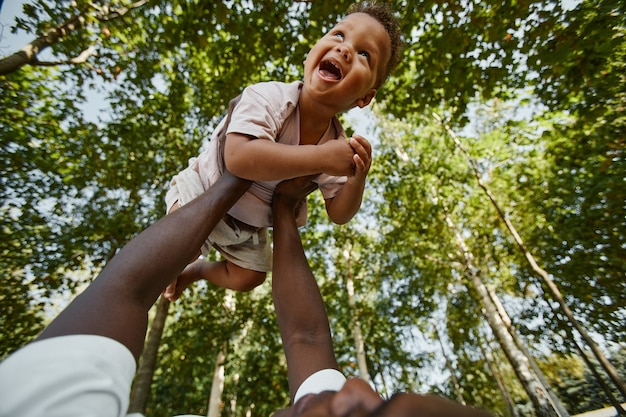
306, 333
116, 304
300, 310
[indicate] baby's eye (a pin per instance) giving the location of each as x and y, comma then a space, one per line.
338, 34
365, 54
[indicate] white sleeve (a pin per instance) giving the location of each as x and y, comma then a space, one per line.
322, 380
68, 376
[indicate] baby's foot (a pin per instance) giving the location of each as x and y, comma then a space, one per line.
191, 274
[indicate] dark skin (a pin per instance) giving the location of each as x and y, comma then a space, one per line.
306, 333
117, 303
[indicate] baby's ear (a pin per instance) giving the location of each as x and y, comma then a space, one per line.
366, 99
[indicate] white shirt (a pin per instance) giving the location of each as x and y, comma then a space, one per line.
88, 376
78, 375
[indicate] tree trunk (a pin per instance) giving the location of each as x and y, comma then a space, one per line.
556, 402
616, 404
356, 325
141, 386
214, 408
506, 395
533, 387
455, 381
554, 290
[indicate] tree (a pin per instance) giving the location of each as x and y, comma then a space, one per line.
537, 392
356, 325
547, 280
577, 386
76, 187
140, 391
437, 167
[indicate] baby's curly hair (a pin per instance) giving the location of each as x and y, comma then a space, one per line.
383, 13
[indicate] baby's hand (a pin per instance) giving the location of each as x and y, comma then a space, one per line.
337, 157
362, 156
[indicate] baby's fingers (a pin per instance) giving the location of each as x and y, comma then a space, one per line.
361, 145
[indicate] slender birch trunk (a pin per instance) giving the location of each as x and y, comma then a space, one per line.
214, 408
556, 402
616, 404
145, 371
497, 376
356, 325
455, 381
553, 288
533, 387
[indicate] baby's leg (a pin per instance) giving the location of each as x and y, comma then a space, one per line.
223, 274
237, 278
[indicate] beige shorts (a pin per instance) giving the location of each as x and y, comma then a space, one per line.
244, 245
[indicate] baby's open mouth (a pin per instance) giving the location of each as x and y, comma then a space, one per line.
328, 69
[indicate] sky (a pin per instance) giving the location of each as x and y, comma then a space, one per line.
9, 42
360, 119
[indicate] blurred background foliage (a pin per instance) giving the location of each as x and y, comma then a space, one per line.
108, 100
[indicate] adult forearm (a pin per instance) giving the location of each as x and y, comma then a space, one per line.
297, 298
157, 255
116, 304
299, 306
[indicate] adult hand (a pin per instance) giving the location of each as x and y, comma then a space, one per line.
292, 193
358, 399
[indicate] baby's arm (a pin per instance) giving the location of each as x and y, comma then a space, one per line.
265, 160
342, 208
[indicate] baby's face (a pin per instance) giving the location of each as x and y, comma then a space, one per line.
345, 66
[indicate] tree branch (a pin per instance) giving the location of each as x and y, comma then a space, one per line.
28, 54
